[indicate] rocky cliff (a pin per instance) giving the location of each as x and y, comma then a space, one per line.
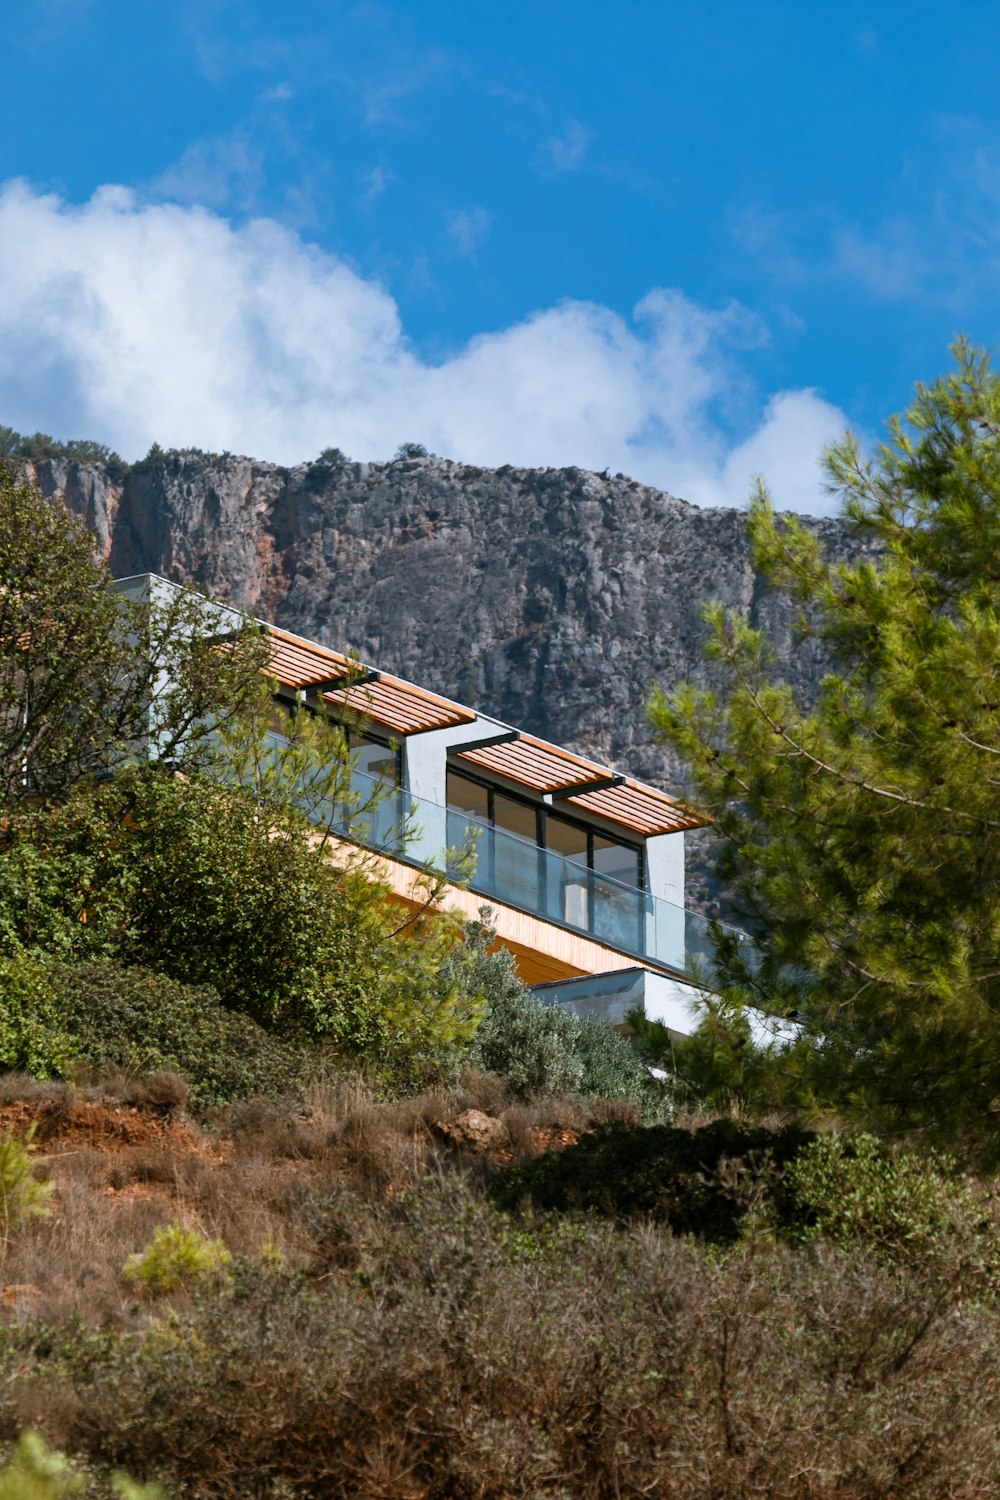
550, 598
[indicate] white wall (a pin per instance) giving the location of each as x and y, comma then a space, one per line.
425, 775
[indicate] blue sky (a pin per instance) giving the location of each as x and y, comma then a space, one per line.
686, 241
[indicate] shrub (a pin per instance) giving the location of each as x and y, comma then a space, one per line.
130, 1020
410, 450
704, 1182
544, 1049
611, 1068
35, 1472
177, 1257
22, 1196
33, 1038
529, 1044
211, 886
904, 1207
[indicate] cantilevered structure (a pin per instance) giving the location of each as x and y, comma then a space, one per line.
581, 866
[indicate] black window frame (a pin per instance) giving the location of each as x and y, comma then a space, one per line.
293, 705
542, 811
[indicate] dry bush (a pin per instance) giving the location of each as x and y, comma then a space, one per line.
448, 1355
388, 1332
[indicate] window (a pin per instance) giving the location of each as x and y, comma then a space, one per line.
515, 817
469, 797
375, 757
617, 861
548, 830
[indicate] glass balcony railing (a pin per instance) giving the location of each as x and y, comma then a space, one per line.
498, 864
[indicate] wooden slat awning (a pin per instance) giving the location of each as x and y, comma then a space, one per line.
398, 705
296, 663
545, 768
534, 764
642, 809
387, 702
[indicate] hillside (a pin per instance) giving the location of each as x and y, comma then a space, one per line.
552, 598
549, 597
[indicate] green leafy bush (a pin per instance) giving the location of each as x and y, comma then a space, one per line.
131, 1020
35, 1472
176, 1257
33, 1038
22, 1196
544, 1049
530, 1045
905, 1207
214, 887
611, 1067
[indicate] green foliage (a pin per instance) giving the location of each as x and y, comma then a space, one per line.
543, 1049
129, 1020
907, 1208
410, 450
702, 1182
861, 833
177, 1257
22, 1196
330, 462
35, 1472
77, 450
33, 1035
87, 675
530, 1045
225, 887
611, 1067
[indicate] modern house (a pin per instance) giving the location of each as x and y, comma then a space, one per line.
582, 868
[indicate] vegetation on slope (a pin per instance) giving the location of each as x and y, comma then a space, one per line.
862, 835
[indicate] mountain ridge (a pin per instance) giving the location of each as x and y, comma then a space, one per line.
551, 598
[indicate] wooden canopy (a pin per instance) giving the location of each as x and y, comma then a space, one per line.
389, 702
552, 771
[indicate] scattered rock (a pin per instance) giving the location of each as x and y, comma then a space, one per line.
476, 1132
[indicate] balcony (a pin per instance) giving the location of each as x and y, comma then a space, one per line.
515, 871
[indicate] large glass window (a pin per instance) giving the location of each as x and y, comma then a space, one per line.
374, 757
469, 797
618, 861
566, 838
550, 830
515, 817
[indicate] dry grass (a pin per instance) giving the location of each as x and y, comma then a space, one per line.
390, 1334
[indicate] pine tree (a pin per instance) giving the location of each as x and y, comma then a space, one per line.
863, 833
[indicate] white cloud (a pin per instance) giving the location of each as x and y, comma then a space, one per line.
136, 323
468, 228
565, 153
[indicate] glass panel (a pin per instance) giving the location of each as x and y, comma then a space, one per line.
567, 884
468, 796
372, 758
537, 880
616, 861
516, 855
515, 817
565, 838
618, 916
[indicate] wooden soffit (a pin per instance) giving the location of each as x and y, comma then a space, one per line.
377, 697
548, 769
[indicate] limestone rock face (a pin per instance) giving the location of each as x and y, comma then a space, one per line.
552, 598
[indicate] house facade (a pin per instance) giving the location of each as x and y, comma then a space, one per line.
581, 867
